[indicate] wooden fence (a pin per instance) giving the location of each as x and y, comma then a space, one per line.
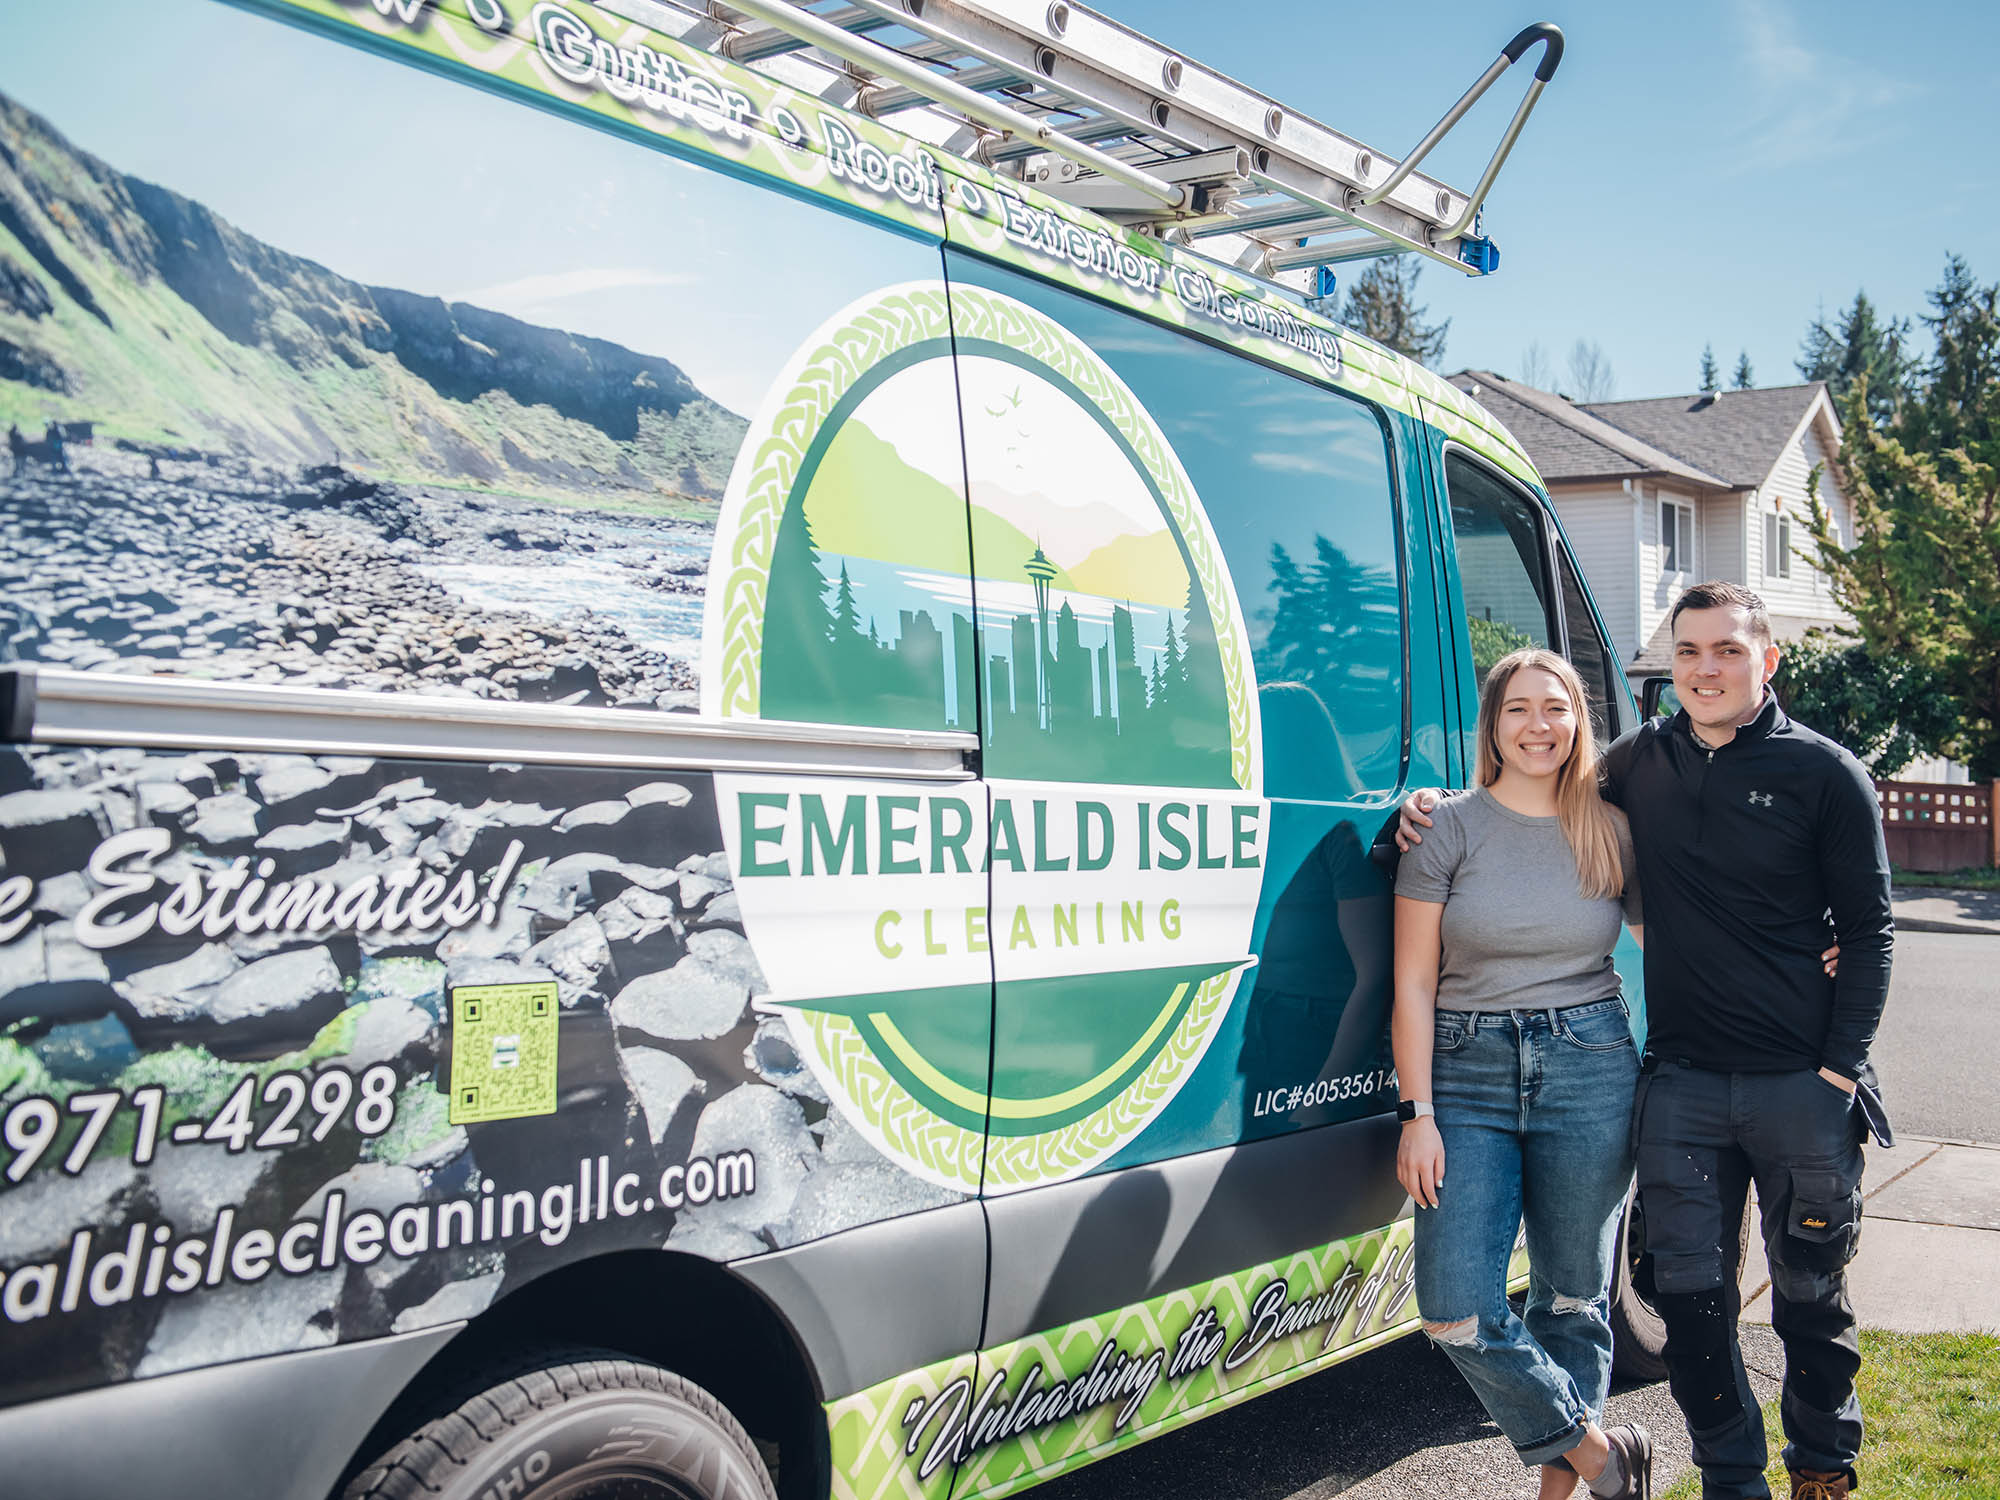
1931, 826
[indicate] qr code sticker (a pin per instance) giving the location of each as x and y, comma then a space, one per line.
503, 1051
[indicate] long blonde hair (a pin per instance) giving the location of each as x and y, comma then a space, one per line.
1585, 820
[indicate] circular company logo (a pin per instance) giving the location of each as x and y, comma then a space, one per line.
1000, 983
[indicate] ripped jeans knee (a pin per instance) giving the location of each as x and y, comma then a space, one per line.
1462, 1333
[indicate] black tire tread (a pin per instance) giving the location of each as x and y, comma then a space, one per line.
423, 1463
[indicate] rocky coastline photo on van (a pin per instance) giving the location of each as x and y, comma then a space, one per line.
217, 566
228, 461
230, 983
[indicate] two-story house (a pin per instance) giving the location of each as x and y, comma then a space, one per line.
1663, 493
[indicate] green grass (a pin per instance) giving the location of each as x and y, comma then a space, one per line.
1961, 880
1932, 1407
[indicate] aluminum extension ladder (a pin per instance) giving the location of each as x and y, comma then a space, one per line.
1094, 113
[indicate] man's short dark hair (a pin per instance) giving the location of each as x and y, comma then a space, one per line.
1719, 595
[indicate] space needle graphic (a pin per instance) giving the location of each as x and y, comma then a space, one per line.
1040, 571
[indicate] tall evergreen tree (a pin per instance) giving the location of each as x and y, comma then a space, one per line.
1955, 407
1745, 378
1922, 576
1382, 303
1711, 374
1859, 346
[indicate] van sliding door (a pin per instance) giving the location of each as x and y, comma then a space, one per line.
1194, 676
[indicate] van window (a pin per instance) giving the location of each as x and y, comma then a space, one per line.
1595, 663
1501, 572
1296, 482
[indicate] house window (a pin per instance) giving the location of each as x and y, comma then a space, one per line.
1777, 546
1676, 537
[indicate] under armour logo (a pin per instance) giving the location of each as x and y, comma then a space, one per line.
1761, 799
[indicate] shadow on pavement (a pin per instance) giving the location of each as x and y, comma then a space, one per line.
1315, 1437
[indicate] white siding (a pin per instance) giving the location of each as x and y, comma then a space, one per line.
1661, 588
1806, 593
1722, 539
1599, 524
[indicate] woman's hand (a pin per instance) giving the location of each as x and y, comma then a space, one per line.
1420, 1161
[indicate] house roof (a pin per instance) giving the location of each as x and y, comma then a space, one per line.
1572, 442
1736, 434
1726, 440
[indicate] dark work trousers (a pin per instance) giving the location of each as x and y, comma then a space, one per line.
1700, 1139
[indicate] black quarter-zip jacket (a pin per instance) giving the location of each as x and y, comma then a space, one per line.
1753, 858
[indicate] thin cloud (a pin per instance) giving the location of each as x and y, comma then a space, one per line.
1814, 104
531, 291
1291, 461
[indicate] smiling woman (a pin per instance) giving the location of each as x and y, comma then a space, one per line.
1517, 1067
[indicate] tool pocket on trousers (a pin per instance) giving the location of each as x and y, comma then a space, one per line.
1824, 1222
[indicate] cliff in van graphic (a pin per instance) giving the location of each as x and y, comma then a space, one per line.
262, 468
138, 309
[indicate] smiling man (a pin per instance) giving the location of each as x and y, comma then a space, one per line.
1757, 842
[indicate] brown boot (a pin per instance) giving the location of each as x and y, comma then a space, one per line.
1810, 1484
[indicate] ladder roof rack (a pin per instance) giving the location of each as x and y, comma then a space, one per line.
1092, 112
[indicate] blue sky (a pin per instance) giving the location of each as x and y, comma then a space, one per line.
395, 177
1696, 173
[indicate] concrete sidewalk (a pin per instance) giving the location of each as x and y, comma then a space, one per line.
1921, 908
1930, 1238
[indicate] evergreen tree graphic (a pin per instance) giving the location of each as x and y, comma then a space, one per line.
1067, 698
825, 656
798, 625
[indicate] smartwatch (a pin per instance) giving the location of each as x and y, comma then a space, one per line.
1413, 1109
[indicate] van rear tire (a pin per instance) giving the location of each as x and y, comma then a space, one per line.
582, 1426
1638, 1333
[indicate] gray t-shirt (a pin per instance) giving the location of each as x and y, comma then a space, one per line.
1517, 933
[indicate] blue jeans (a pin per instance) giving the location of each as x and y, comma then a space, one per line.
1535, 1109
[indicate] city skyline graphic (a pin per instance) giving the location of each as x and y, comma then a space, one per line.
1061, 694
1048, 604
